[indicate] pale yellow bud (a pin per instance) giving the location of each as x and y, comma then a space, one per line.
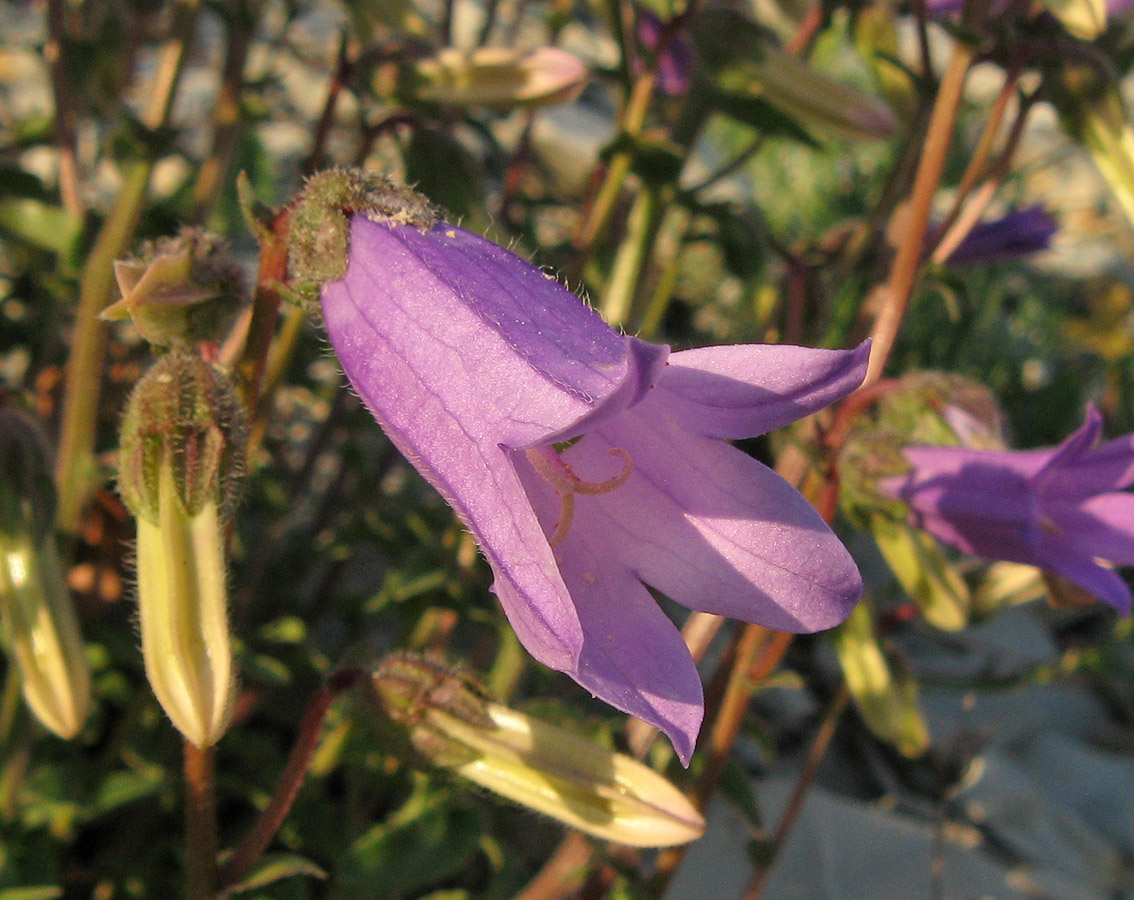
182, 606
496, 76
42, 632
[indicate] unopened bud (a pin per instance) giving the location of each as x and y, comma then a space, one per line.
1084, 19
1092, 111
532, 762
180, 457
179, 291
498, 77
183, 415
37, 617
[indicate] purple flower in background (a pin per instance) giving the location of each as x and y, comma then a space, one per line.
1018, 234
675, 65
480, 367
1062, 509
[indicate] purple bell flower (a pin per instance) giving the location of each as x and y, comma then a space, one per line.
480, 367
1062, 509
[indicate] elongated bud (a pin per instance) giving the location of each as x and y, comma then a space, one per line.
450, 723
886, 698
181, 449
1084, 19
1092, 111
37, 618
499, 77
179, 291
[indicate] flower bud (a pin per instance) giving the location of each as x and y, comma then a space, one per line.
885, 696
536, 764
499, 77
181, 449
179, 291
1092, 111
930, 408
184, 414
1083, 19
37, 618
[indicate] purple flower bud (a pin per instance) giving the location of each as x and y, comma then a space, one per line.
478, 366
1062, 509
675, 66
1018, 234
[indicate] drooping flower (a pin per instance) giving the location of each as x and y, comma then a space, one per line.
1019, 233
1063, 508
480, 366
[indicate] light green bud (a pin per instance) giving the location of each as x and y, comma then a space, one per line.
183, 414
179, 291
183, 612
531, 762
498, 77
182, 446
37, 618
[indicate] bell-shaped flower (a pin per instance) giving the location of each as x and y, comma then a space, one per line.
1063, 509
480, 368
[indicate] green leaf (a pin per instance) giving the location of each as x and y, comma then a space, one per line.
887, 701
273, 867
40, 224
428, 841
47, 892
122, 788
924, 572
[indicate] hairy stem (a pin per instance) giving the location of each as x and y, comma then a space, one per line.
200, 823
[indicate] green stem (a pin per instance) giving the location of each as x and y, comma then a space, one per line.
76, 471
630, 261
676, 227
200, 823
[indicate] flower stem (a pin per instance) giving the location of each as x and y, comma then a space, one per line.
904, 271
266, 300
64, 118
630, 261
633, 118
75, 472
306, 742
200, 823
802, 786
228, 114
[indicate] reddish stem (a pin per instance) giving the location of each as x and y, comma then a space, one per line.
306, 742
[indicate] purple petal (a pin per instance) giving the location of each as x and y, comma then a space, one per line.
633, 656
1077, 470
1101, 527
1104, 583
408, 322
1068, 470
745, 390
971, 500
718, 532
1017, 234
